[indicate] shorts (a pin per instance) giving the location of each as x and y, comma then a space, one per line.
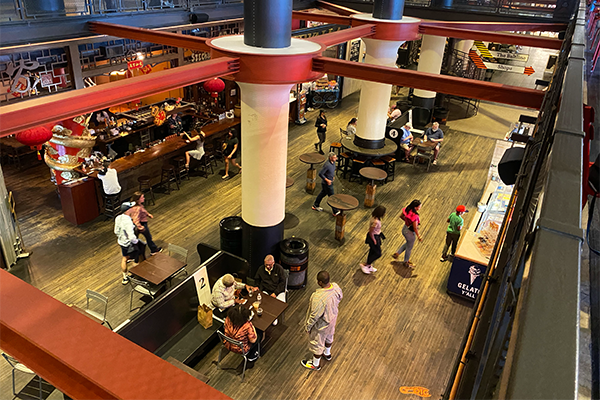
317, 339
125, 251
404, 146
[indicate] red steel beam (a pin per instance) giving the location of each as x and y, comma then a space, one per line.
499, 26
329, 19
333, 38
505, 38
148, 35
82, 358
470, 88
32, 113
337, 8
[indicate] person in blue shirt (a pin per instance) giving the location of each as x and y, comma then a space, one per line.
327, 175
405, 140
436, 135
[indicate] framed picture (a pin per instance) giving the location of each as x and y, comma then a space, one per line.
233, 92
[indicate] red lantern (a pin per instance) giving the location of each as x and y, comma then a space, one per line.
214, 86
35, 137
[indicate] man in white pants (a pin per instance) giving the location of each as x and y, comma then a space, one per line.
270, 278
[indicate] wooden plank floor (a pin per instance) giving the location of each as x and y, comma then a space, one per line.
396, 327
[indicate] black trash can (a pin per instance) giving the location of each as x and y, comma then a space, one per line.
294, 258
231, 235
440, 115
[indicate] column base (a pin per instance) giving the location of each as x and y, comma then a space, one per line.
369, 143
425, 102
258, 241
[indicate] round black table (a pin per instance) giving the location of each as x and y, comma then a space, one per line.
388, 148
311, 174
343, 202
372, 174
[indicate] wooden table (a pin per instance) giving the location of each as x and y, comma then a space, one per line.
157, 268
289, 182
372, 174
311, 174
343, 202
423, 147
272, 309
388, 148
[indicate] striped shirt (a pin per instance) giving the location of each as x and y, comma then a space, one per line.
323, 309
245, 334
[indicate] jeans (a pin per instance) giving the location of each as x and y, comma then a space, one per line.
374, 249
148, 236
410, 242
326, 190
451, 239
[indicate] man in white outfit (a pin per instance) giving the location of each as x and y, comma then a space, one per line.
127, 239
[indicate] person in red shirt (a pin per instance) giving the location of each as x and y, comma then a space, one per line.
238, 326
410, 231
139, 216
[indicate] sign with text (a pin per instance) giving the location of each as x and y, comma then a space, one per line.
202, 286
135, 64
465, 278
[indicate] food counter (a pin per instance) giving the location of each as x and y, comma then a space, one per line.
477, 240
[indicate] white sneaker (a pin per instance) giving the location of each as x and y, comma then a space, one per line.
275, 322
372, 268
317, 208
365, 269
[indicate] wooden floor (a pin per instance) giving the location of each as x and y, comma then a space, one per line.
396, 328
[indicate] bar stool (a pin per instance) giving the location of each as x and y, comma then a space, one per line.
209, 153
390, 167
167, 175
205, 164
180, 169
336, 147
146, 187
344, 163
357, 164
112, 205
378, 163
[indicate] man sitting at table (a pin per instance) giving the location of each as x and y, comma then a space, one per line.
223, 293
270, 278
405, 140
434, 134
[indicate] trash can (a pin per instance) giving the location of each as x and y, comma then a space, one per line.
440, 115
294, 258
231, 235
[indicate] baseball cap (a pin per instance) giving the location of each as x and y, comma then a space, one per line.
461, 208
126, 205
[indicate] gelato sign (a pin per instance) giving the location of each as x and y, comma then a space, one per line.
466, 278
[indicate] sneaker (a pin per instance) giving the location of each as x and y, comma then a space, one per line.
395, 256
308, 364
125, 280
372, 268
336, 213
327, 357
365, 269
443, 258
410, 265
434, 162
225, 177
275, 322
317, 208
159, 250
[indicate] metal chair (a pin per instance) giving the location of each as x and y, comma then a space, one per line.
92, 295
178, 253
426, 155
144, 288
17, 366
237, 344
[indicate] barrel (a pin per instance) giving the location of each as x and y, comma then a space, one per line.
231, 235
294, 258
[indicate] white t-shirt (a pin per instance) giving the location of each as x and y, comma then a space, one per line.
110, 182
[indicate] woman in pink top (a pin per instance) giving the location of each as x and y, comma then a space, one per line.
139, 215
374, 237
410, 231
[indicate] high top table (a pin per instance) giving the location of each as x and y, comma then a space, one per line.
343, 202
388, 148
372, 174
272, 309
311, 174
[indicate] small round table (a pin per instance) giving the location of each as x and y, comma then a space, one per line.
311, 174
343, 202
289, 182
372, 174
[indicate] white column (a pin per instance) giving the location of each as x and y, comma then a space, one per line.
375, 97
430, 60
264, 110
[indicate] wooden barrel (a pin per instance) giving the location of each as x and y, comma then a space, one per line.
311, 180
370, 195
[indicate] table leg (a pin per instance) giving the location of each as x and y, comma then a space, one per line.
370, 194
340, 225
311, 180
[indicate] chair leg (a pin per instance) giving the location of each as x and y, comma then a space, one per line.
244, 370
13, 382
40, 382
130, 301
107, 323
219, 360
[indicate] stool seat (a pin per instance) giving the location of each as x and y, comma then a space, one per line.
146, 187
335, 147
390, 167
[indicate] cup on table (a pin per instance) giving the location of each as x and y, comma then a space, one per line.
259, 311
256, 305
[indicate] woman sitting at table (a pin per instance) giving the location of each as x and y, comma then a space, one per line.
351, 128
238, 327
199, 152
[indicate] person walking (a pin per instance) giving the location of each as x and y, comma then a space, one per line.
230, 153
139, 215
373, 239
410, 231
321, 125
455, 224
127, 239
321, 319
327, 175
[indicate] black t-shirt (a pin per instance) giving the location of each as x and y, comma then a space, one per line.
230, 145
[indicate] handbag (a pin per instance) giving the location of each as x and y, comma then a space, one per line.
205, 316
